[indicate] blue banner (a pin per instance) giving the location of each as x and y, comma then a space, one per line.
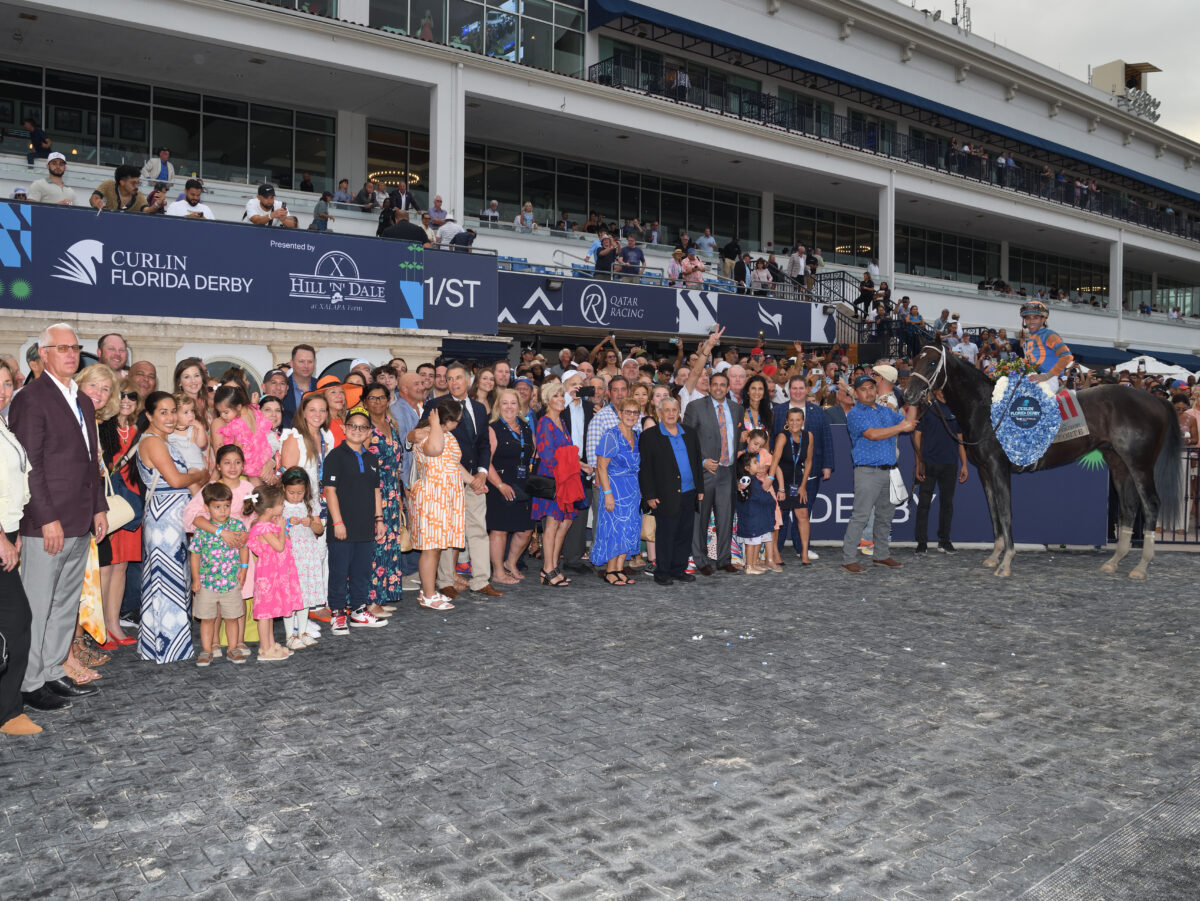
526, 299
54, 258
1067, 505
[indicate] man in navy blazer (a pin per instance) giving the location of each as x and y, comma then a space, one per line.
56, 425
471, 433
301, 381
671, 480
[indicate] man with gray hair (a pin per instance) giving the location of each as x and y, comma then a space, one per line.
56, 425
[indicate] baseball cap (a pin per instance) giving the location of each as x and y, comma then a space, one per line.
361, 362
862, 380
55, 156
722, 366
770, 369
883, 370
266, 190
274, 372
756, 352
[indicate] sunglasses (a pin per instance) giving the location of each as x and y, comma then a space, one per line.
129, 395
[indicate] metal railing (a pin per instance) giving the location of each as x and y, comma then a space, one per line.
715, 93
1179, 522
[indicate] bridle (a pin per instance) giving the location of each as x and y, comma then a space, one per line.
938, 370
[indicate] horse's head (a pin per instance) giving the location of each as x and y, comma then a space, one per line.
928, 374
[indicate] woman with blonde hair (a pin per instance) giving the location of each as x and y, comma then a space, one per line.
551, 436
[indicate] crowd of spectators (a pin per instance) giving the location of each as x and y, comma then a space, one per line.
320, 500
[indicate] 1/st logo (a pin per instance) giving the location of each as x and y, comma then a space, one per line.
453, 292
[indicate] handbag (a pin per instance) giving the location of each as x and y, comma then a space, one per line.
91, 607
649, 526
540, 486
120, 511
402, 533
898, 493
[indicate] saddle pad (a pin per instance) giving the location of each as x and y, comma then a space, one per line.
1073, 423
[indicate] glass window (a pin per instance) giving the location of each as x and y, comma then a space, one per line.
431, 26
390, 15
539, 9
314, 154
572, 196
71, 81
181, 99
180, 131
538, 189
124, 132
271, 155
473, 188
571, 18
465, 26
418, 176
502, 34
537, 47
125, 90
603, 198
234, 109
504, 185
504, 155
326, 124
271, 114
19, 73
17, 102
223, 150
539, 162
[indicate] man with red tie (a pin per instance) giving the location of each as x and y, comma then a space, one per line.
56, 424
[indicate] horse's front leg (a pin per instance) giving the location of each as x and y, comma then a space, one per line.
998, 490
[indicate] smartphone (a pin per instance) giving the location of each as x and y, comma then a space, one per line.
586, 391
673, 341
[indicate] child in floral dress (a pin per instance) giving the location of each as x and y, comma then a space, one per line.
276, 582
303, 517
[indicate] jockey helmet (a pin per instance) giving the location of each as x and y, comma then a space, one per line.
1035, 308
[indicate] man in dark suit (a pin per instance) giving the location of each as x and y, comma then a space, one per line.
471, 433
717, 422
576, 417
301, 381
670, 479
741, 273
56, 425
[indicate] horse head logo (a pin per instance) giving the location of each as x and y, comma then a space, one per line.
776, 321
78, 263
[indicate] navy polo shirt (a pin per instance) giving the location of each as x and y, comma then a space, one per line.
937, 445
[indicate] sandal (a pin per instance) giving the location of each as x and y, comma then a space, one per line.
79, 673
88, 655
438, 602
609, 577
275, 653
549, 578
625, 580
516, 574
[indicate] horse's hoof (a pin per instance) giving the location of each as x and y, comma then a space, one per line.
1137, 574
1003, 573
990, 563
1108, 568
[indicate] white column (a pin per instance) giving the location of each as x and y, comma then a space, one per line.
886, 251
767, 222
350, 149
1003, 261
447, 129
1116, 279
357, 11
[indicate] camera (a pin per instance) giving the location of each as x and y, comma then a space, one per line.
586, 391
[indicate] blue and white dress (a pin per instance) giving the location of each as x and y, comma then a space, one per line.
619, 532
165, 634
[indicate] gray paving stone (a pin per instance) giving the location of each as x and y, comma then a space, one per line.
952, 734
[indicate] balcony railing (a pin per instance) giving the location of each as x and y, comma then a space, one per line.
719, 95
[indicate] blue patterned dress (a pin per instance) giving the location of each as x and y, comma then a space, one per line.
386, 575
165, 634
549, 439
619, 532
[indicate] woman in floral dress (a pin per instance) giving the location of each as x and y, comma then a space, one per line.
388, 447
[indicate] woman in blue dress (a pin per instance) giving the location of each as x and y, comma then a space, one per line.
619, 523
165, 634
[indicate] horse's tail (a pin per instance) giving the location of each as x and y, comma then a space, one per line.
1168, 474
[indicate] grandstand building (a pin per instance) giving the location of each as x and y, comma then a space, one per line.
866, 128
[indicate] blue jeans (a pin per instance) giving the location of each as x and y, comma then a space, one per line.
350, 564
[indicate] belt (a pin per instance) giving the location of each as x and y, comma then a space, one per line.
873, 466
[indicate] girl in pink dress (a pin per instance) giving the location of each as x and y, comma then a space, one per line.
276, 581
238, 422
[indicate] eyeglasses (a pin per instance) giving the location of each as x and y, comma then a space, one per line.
630, 412
378, 397
129, 395
358, 428
66, 348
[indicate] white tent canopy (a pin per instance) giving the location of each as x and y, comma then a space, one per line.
1153, 367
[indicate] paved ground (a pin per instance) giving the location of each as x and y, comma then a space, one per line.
934, 733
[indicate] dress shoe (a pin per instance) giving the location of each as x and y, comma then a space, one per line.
706, 570
69, 688
856, 568
686, 577
449, 591
889, 561
730, 568
44, 699
488, 591
660, 579
20, 725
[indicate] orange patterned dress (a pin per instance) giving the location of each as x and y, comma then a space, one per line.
439, 499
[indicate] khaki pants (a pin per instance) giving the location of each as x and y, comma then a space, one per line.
477, 546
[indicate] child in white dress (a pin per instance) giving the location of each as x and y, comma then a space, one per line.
302, 515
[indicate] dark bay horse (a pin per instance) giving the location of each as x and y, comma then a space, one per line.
1137, 433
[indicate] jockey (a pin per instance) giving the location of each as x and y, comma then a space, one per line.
1044, 347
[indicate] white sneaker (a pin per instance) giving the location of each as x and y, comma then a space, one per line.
307, 640
364, 619
813, 555
314, 629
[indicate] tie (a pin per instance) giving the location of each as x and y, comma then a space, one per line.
469, 420
723, 429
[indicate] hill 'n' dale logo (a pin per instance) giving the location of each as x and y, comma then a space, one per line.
336, 279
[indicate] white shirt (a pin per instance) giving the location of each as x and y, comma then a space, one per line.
448, 231
254, 208
730, 426
182, 208
575, 410
967, 348
686, 397
70, 391
45, 191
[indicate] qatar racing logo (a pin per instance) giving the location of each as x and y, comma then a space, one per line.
593, 305
78, 263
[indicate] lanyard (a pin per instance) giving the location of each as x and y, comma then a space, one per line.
793, 449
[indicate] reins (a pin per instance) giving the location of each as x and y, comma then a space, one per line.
940, 370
